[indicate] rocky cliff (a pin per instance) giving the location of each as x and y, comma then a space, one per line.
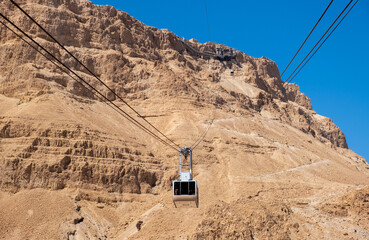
267, 145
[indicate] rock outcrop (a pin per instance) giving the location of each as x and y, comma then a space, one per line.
141, 62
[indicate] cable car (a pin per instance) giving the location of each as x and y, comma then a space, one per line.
185, 188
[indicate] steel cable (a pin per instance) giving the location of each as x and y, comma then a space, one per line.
123, 113
111, 90
307, 36
324, 40
287, 81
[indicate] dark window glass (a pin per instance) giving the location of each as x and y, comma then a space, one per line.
176, 188
184, 188
191, 190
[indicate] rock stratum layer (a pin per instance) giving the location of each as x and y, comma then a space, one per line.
270, 167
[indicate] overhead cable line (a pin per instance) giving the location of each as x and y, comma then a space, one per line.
307, 37
287, 81
102, 82
122, 112
44, 55
324, 40
202, 136
59, 67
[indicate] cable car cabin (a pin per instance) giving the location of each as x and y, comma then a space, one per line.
185, 191
185, 188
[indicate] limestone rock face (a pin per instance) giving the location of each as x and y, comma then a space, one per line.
293, 94
133, 59
267, 148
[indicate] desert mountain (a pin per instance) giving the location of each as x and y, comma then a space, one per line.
270, 167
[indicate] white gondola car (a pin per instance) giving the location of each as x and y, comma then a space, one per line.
185, 188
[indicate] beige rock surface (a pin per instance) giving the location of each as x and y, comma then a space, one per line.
72, 168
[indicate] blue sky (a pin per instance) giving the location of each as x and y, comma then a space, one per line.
336, 78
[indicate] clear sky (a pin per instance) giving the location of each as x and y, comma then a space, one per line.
336, 78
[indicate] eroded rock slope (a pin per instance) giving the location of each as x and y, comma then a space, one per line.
267, 148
